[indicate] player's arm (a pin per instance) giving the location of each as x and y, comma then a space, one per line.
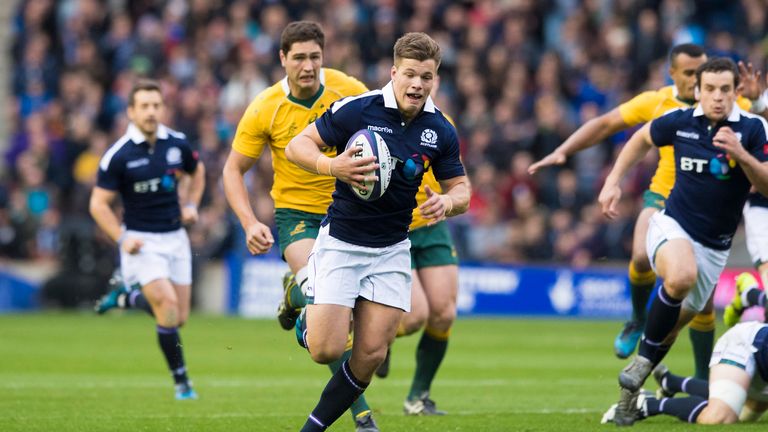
258, 236
193, 192
454, 201
589, 134
304, 151
100, 207
755, 170
634, 151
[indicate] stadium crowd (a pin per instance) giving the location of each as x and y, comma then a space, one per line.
517, 76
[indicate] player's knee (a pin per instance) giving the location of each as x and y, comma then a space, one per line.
715, 414
443, 319
325, 353
680, 282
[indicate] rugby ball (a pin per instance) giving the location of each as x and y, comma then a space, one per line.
371, 143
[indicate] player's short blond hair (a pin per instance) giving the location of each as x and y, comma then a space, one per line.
417, 46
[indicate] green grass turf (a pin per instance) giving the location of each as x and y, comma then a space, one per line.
80, 372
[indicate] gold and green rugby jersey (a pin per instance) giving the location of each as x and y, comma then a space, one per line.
652, 104
273, 118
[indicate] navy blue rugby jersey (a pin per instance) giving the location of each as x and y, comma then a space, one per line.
146, 177
710, 189
429, 141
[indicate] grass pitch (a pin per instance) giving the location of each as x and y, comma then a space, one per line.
81, 372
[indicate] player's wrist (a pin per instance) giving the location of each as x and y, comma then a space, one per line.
191, 206
448, 203
324, 165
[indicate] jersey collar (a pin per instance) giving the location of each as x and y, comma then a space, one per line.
388, 91
287, 89
135, 135
733, 117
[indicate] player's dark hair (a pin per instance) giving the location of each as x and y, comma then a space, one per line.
301, 31
417, 46
718, 64
689, 49
143, 85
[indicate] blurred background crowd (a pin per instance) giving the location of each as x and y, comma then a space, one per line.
518, 76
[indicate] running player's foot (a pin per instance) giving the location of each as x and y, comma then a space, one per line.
423, 406
633, 376
115, 298
383, 370
626, 417
659, 375
301, 329
365, 423
626, 341
184, 391
286, 314
735, 308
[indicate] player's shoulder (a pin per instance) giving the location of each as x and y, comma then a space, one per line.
116, 151
170, 133
341, 84
753, 120
357, 102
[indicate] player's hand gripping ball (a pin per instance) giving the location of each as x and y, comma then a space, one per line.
372, 144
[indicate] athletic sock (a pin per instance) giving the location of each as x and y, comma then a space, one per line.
429, 354
170, 344
702, 334
296, 294
360, 405
754, 297
136, 300
662, 318
686, 409
640, 287
692, 386
342, 389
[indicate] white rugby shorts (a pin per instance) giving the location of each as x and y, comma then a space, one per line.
736, 346
340, 272
756, 228
709, 262
165, 255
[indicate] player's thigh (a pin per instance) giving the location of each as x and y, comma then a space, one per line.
753, 410
728, 385
639, 255
756, 232
297, 253
327, 327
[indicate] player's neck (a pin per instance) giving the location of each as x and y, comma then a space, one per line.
306, 98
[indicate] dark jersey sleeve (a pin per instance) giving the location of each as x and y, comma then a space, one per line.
339, 122
758, 143
110, 172
449, 164
189, 157
663, 128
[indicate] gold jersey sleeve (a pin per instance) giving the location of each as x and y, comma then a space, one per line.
273, 119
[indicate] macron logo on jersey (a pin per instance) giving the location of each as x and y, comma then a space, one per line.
381, 129
137, 163
689, 135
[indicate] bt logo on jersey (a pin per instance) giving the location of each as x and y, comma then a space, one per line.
145, 186
692, 164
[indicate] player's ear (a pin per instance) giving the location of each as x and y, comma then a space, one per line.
696, 93
282, 58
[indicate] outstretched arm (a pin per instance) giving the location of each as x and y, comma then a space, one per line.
258, 236
635, 149
589, 134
